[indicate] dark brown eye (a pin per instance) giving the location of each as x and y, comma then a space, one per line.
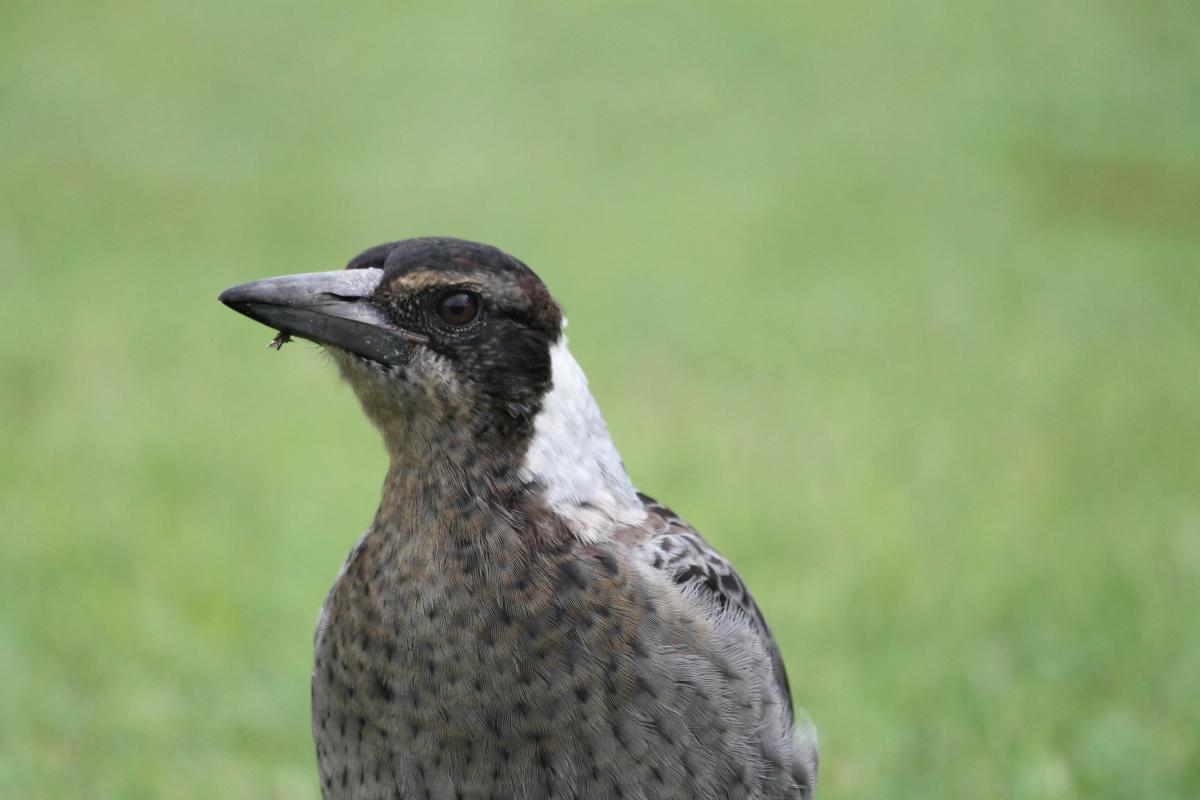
458, 308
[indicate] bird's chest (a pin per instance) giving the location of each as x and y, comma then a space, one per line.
428, 665
401, 642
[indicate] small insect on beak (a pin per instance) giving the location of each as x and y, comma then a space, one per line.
279, 341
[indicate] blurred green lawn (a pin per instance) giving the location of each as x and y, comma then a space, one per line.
899, 304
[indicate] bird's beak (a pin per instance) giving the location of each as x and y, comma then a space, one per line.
333, 308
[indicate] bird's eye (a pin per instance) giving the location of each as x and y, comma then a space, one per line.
458, 308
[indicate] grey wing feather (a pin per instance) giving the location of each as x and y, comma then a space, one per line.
677, 549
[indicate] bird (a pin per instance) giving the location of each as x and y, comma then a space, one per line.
518, 621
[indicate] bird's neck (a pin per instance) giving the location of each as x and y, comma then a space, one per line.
572, 458
443, 476
564, 462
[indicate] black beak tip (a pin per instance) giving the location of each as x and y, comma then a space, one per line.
233, 296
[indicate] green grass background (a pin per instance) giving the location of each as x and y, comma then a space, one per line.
898, 303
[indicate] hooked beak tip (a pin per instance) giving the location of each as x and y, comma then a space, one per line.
233, 296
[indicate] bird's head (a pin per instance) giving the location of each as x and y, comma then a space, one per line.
437, 336
456, 351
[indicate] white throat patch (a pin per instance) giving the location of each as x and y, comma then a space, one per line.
573, 456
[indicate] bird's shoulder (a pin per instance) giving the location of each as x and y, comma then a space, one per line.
666, 543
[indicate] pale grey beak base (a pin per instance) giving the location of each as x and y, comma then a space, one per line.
331, 308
